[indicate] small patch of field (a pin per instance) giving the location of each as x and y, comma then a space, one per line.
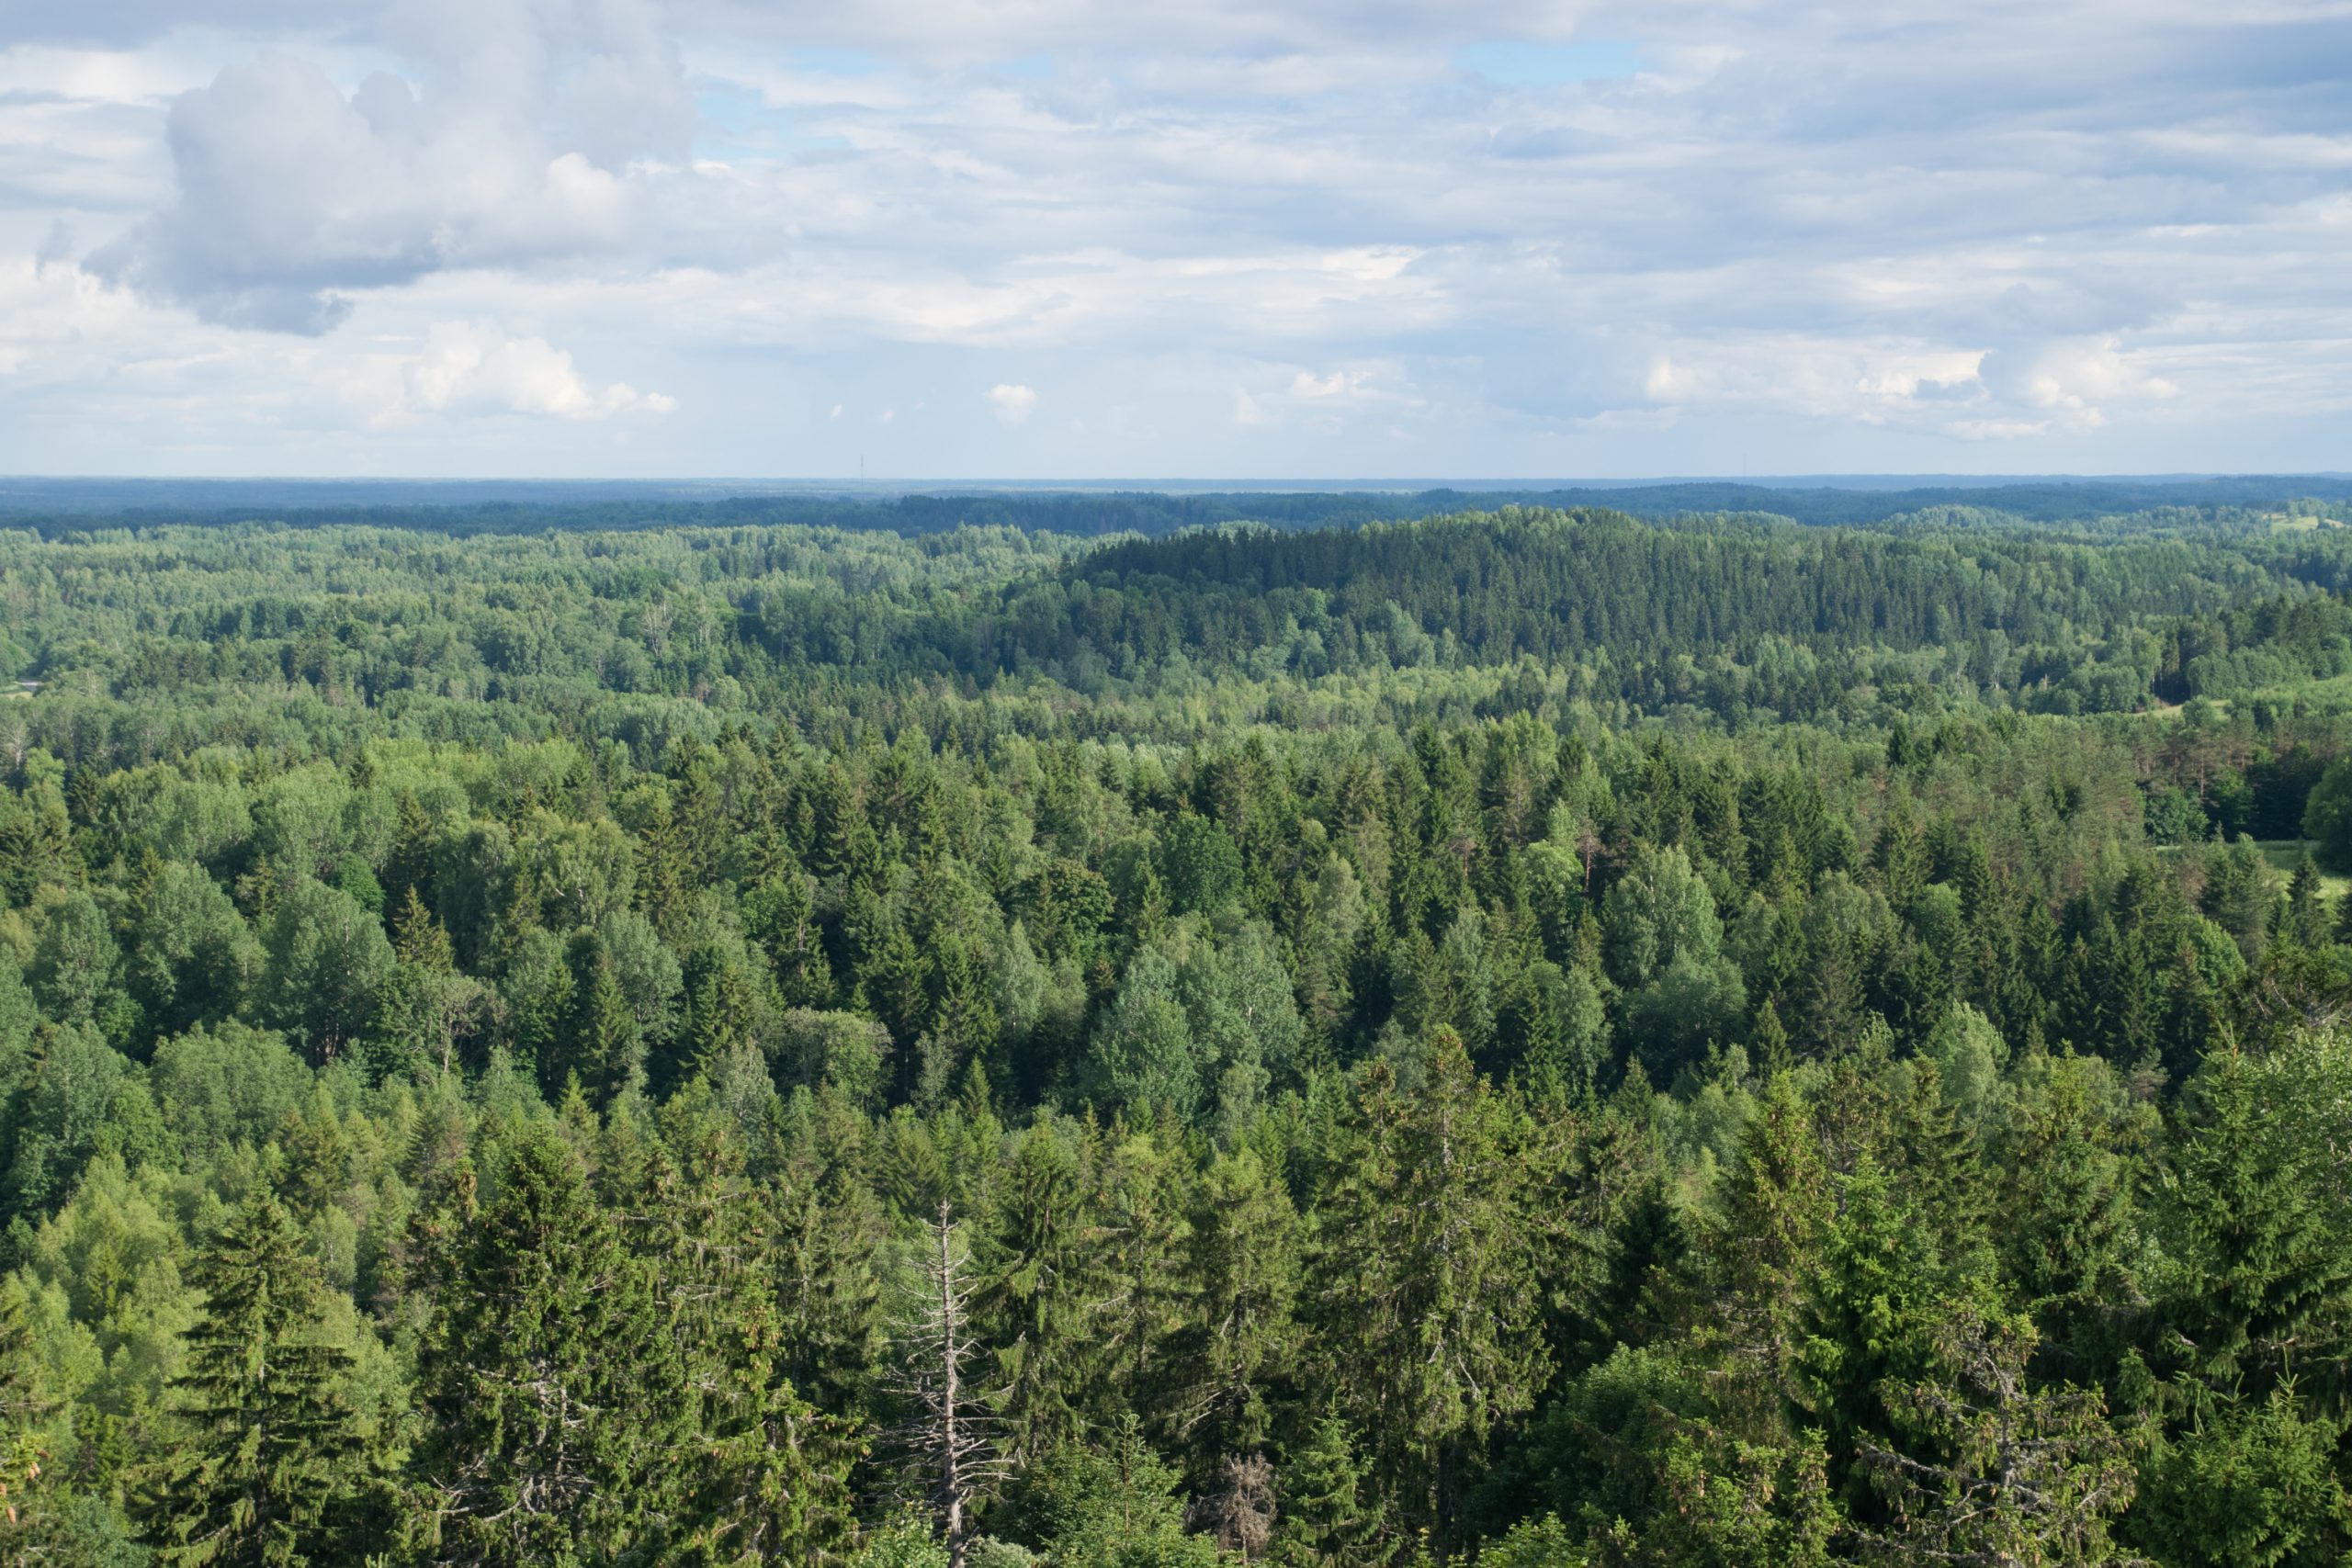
2285, 854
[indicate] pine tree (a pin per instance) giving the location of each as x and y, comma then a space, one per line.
269, 1469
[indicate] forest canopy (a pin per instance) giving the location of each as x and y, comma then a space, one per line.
1536, 1035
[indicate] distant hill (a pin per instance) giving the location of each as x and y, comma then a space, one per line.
512, 506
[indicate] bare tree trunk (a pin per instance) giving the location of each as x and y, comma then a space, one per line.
952, 1484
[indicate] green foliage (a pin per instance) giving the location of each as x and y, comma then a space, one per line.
1992, 1469
2261, 1279
547, 1387
75, 961
906, 1541
2327, 820
265, 1477
1427, 1273
1144, 1055
1112, 1509
328, 963
2251, 1481
1540, 1034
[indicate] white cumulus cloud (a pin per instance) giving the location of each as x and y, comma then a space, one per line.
471, 368
1012, 404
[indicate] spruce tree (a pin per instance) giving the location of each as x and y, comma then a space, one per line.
2306, 917
1428, 1278
1991, 1469
27, 1483
549, 1388
1329, 1515
2248, 1479
2262, 1281
418, 939
1239, 1338
1766, 1246
2063, 1197
828, 1233
768, 1480
1031, 1303
1135, 1270
271, 1462
1882, 1291
408, 871
606, 1049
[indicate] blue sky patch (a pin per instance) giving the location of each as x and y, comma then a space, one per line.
1512, 64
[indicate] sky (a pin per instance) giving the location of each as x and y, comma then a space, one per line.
1006, 239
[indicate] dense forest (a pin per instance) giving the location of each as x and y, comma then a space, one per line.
1537, 1037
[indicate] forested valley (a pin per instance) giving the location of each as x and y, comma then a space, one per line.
1541, 1038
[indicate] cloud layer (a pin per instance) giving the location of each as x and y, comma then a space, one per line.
1507, 237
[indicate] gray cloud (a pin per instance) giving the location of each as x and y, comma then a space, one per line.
513, 144
55, 249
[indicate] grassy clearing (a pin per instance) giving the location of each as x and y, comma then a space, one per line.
2285, 854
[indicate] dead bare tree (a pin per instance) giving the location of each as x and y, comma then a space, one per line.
1238, 1516
948, 1433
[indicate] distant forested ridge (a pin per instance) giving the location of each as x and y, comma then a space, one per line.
66, 506
1541, 1036
1740, 609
